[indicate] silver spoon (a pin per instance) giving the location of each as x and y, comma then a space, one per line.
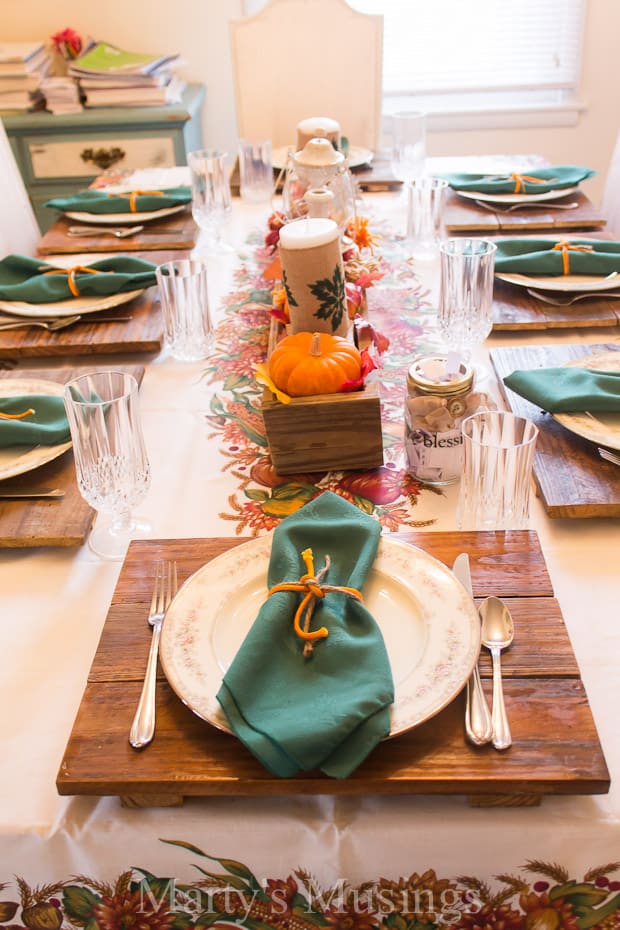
102, 231
497, 634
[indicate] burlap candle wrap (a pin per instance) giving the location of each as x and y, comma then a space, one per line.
313, 276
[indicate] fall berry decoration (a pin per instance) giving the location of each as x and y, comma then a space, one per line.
314, 363
313, 590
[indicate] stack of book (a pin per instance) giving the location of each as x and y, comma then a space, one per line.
22, 67
110, 76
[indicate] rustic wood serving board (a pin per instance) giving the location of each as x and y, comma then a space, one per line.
171, 232
63, 522
571, 478
464, 215
556, 749
92, 335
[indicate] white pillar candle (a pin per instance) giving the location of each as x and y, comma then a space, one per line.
308, 233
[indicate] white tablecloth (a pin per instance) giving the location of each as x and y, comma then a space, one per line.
54, 603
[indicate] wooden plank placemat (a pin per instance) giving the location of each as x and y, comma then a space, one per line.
172, 232
515, 309
92, 335
464, 215
571, 478
62, 522
375, 177
556, 749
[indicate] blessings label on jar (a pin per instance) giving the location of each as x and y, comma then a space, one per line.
438, 400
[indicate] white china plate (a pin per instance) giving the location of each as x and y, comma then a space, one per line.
358, 156
567, 282
517, 198
430, 626
68, 307
601, 428
16, 460
117, 219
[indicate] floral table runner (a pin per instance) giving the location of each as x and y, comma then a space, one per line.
400, 309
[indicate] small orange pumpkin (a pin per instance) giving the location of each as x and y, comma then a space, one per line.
313, 363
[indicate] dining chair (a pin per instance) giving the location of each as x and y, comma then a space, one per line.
19, 231
301, 58
610, 204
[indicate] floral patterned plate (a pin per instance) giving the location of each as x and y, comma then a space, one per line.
601, 428
429, 623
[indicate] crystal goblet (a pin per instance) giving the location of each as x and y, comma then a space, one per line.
111, 462
211, 201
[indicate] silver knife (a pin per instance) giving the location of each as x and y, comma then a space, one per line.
478, 723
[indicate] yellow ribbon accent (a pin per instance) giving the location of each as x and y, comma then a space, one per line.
520, 180
132, 197
314, 591
17, 416
71, 273
566, 247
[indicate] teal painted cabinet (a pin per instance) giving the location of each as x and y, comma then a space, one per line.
60, 154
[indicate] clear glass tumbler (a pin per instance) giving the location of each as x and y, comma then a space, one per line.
408, 145
466, 293
426, 198
111, 463
255, 171
188, 330
498, 452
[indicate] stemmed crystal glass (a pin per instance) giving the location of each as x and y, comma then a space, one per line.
211, 201
111, 462
466, 293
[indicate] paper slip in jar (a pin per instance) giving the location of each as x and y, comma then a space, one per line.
437, 402
313, 276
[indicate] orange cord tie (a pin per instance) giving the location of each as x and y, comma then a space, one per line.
17, 416
71, 273
520, 180
132, 197
314, 592
565, 247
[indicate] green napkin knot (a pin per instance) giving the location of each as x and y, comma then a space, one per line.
45, 425
568, 390
28, 280
105, 202
543, 180
557, 257
330, 712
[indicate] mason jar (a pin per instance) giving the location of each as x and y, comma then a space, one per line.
438, 399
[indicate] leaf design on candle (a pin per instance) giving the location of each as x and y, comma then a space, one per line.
289, 294
330, 294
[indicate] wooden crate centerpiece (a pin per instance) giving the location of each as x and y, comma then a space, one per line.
323, 430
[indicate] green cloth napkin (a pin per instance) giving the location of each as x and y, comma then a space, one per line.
47, 426
568, 390
92, 201
551, 179
536, 256
23, 278
330, 710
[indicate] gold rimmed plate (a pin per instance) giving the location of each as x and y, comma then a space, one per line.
430, 627
16, 460
599, 427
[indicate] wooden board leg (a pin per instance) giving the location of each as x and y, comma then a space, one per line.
151, 800
504, 800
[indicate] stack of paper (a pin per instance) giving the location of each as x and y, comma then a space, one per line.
110, 76
22, 66
62, 94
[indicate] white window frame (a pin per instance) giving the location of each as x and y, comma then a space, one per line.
466, 113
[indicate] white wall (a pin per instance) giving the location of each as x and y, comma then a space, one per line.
198, 29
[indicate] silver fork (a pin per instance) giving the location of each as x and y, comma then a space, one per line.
609, 456
164, 588
567, 301
542, 205
51, 326
102, 231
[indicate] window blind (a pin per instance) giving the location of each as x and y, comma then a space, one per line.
441, 47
